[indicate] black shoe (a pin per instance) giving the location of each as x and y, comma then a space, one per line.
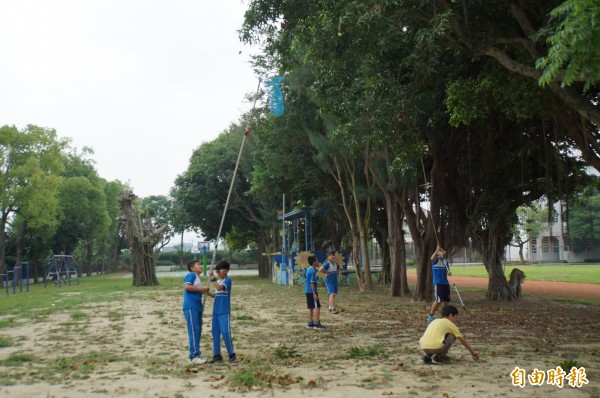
216, 358
232, 358
427, 359
441, 359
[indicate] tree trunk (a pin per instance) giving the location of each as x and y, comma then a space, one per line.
19, 243
264, 266
89, 251
142, 238
356, 259
2, 245
113, 258
181, 253
491, 244
424, 289
385, 277
396, 244
521, 253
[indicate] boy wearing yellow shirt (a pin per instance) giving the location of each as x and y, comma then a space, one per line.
440, 335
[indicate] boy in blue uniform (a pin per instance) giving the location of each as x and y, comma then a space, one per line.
192, 309
331, 268
221, 317
441, 287
312, 297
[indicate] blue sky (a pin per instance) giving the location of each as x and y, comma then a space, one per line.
141, 82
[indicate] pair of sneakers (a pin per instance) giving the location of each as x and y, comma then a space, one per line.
436, 359
315, 325
198, 360
333, 310
219, 358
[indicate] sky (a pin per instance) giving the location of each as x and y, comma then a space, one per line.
141, 82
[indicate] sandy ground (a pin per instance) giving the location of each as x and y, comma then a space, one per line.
135, 345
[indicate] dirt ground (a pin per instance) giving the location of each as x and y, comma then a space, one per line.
134, 344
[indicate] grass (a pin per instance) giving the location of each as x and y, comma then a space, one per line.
577, 273
283, 351
17, 359
5, 342
368, 352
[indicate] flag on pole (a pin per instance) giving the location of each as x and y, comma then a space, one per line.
275, 96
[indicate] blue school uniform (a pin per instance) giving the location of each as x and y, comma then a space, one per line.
192, 310
221, 318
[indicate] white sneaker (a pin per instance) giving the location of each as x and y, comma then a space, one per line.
199, 361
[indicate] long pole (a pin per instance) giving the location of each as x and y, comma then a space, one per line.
237, 164
455, 288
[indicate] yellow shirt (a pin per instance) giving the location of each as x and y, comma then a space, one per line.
434, 335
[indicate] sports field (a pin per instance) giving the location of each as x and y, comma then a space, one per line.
578, 273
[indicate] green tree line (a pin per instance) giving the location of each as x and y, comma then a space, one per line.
52, 201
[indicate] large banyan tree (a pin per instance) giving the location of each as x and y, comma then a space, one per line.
457, 82
142, 237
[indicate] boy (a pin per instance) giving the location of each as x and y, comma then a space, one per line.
440, 335
312, 298
331, 268
192, 309
221, 316
441, 287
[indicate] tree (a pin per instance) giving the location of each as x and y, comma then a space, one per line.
389, 75
584, 221
203, 188
574, 40
113, 241
84, 218
530, 221
30, 156
512, 33
142, 237
159, 207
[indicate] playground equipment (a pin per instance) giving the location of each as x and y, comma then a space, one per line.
15, 277
62, 268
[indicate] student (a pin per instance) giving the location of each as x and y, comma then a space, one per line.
312, 297
331, 268
441, 287
221, 316
440, 335
192, 309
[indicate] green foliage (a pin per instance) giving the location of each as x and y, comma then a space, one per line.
283, 351
368, 352
237, 239
493, 90
530, 221
567, 364
16, 359
574, 44
5, 342
584, 221
245, 377
78, 315
31, 161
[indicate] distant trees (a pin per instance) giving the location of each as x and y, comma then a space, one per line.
52, 201
584, 221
